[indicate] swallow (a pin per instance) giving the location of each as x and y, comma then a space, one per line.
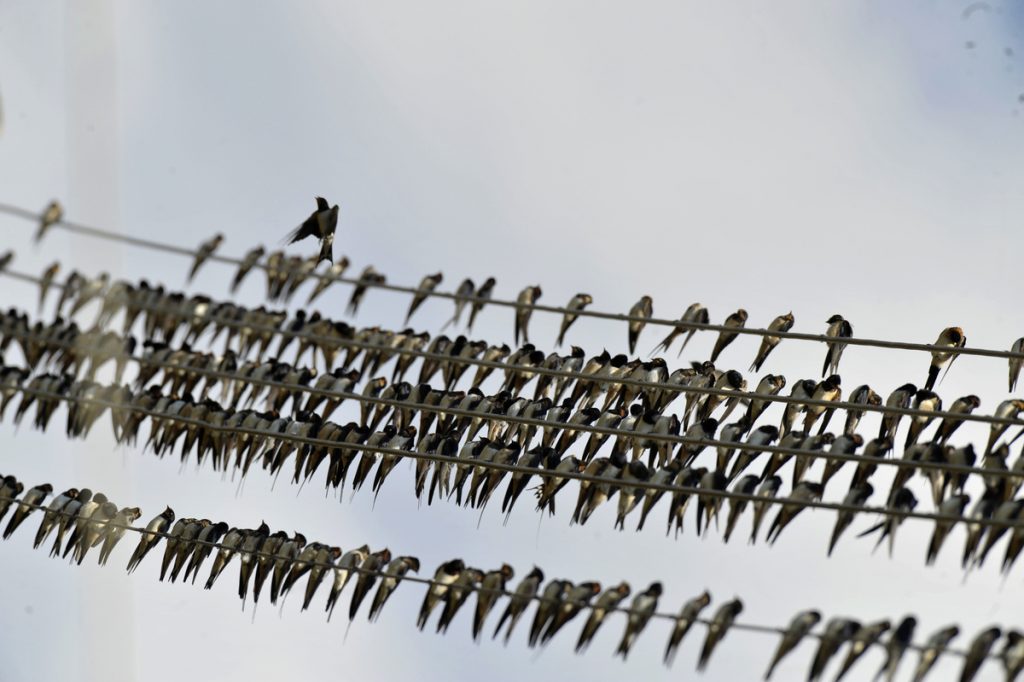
695, 314
77, 522
328, 277
446, 574
838, 328
963, 405
492, 588
899, 398
803, 493
804, 388
343, 570
643, 607
548, 604
1008, 409
32, 500
321, 224
977, 652
46, 282
865, 638
933, 649
371, 566
745, 486
798, 628
527, 298
768, 489
393, 574
738, 320
606, 603
752, 448
1012, 654
644, 308
368, 277
249, 261
6, 259
683, 622
629, 496
112, 532
782, 323
717, 629
209, 536
831, 390
1007, 512
837, 632
463, 295
901, 502
480, 298
53, 214
53, 515
576, 304
203, 253
229, 545
1016, 363
926, 401
862, 395
982, 511
897, 645
576, 599
426, 287
521, 598
857, 496
950, 337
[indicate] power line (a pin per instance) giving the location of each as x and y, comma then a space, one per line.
678, 324
341, 342
537, 597
543, 473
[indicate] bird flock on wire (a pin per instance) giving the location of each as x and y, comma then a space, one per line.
629, 431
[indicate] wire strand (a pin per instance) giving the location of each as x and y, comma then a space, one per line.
678, 324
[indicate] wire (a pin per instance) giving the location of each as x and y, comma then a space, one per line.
625, 381
537, 597
587, 428
518, 468
678, 324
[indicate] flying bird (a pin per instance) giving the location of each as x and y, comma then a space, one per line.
321, 224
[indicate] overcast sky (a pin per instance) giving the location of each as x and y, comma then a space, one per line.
860, 158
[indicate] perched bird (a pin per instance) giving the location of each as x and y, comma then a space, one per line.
367, 278
321, 224
492, 588
151, 538
838, 328
609, 600
328, 277
644, 308
206, 249
53, 214
463, 295
950, 337
963, 405
684, 621
737, 320
804, 492
46, 281
897, 645
901, 503
720, 624
899, 398
393, 574
933, 649
52, 516
977, 652
782, 323
480, 298
865, 637
696, 314
520, 599
925, 401
576, 303
798, 628
640, 612
1012, 655
1016, 363
527, 298
446, 574
837, 632
249, 261
28, 504
857, 496
576, 599
426, 287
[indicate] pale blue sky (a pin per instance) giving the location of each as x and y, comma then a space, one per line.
804, 156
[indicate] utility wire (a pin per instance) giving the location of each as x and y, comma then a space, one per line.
557, 373
543, 423
679, 324
537, 597
518, 468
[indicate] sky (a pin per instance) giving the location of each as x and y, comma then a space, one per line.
856, 158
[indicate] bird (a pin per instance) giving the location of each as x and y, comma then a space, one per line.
737, 320
934, 647
865, 638
526, 299
608, 601
899, 398
978, 651
249, 261
426, 287
1016, 363
367, 278
683, 622
492, 588
151, 537
328, 277
32, 499
782, 323
963, 405
950, 337
576, 303
643, 607
837, 632
695, 314
393, 574
462, 298
373, 564
1012, 655
803, 492
46, 281
203, 253
717, 629
644, 308
321, 224
857, 496
952, 506
480, 298
53, 214
445, 575
801, 624
897, 645
838, 328
520, 599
